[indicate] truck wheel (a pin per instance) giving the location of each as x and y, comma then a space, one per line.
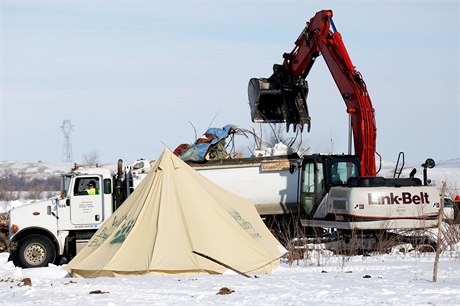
35, 251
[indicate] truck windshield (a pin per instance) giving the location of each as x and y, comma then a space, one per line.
65, 184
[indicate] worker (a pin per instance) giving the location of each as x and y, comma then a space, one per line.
335, 176
91, 190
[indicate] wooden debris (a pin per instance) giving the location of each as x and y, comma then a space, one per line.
27, 282
225, 291
98, 292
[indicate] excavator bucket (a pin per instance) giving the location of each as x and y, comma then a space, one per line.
266, 101
272, 103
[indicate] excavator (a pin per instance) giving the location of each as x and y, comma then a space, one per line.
364, 201
283, 96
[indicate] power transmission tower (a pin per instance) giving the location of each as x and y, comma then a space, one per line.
66, 129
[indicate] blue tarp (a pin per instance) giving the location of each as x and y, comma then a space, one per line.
198, 150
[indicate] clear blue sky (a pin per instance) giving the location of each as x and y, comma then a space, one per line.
130, 75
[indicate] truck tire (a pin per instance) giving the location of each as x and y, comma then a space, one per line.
34, 251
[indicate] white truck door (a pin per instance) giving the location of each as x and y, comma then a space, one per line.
86, 201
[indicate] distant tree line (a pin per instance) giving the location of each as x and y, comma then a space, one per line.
17, 186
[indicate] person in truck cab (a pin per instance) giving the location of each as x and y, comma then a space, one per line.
91, 190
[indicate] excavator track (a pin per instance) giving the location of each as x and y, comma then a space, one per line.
366, 243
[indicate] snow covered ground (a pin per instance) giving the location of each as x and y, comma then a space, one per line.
396, 279
392, 279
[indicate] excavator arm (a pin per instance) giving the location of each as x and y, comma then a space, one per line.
283, 96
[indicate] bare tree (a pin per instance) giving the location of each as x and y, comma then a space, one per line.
439, 240
91, 159
36, 189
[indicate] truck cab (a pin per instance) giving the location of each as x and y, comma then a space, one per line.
42, 232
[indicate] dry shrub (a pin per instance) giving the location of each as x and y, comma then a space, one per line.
450, 234
315, 245
387, 240
290, 233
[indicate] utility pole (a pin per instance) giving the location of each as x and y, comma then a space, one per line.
66, 129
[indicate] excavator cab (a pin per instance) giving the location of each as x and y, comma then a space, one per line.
279, 100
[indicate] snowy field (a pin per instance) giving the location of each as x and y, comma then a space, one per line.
395, 279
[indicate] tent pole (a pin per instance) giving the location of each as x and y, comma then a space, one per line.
220, 263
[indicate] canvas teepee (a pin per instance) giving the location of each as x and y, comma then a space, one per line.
172, 215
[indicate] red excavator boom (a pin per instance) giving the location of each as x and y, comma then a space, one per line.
282, 97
